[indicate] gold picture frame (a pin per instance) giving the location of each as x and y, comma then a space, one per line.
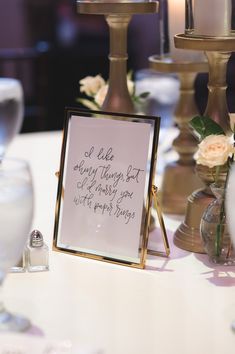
102, 225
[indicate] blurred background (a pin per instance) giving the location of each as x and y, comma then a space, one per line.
49, 48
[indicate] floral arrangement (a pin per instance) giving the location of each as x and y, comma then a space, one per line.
96, 88
215, 148
215, 151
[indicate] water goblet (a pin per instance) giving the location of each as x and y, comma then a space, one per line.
16, 213
11, 111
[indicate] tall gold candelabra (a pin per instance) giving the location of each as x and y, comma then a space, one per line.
118, 16
175, 191
218, 51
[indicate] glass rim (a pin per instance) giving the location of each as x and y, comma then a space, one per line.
9, 88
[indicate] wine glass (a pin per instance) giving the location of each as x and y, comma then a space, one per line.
11, 111
16, 213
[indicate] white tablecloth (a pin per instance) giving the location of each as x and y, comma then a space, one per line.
179, 305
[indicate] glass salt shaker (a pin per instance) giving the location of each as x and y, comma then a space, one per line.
37, 253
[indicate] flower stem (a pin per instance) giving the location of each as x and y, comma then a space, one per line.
230, 247
217, 171
220, 227
218, 239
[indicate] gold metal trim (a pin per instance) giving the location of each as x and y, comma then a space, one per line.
171, 66
102, 8
218, 44
162, 227
148, 202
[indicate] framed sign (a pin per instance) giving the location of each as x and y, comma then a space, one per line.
105, 186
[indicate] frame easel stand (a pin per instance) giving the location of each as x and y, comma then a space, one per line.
162, 227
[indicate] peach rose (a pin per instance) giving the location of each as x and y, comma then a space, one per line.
90, 85
214, 150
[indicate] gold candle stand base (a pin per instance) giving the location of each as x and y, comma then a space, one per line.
175, 190
218, 51
187, 236
179, 179
118, 16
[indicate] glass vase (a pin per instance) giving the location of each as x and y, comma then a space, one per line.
214, 230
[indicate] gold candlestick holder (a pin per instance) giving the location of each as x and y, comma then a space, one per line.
218, 51
175, 191
118, 16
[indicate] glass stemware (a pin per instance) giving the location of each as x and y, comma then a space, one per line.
11, 111
16, 212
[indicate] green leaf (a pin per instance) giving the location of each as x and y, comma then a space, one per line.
204, 126
87, 103
144, 94
133, 93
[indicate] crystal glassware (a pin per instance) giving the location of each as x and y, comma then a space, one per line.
163, 96
11, 111
16, 213
214, 230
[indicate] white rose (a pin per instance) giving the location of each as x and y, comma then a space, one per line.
214, 150
101, 94
90, 85
130, 86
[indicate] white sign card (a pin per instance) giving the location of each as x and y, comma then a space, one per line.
106, 175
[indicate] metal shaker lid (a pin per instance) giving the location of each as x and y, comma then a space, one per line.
36, 239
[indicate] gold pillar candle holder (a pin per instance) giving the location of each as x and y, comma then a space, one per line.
118, 15
218, 51
175, 191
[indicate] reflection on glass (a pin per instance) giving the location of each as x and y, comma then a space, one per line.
16, 212
163, 94
11, 111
